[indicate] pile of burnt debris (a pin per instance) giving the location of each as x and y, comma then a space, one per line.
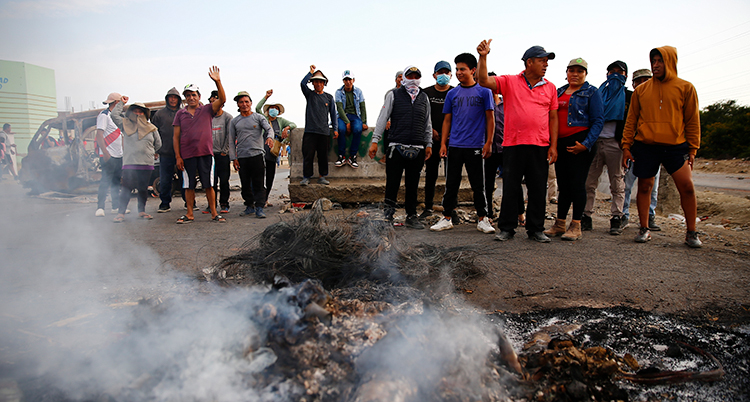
379, 286
338, 309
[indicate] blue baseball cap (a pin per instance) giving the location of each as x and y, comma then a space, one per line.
441, 65
539, 52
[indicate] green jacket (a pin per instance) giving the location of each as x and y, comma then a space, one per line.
282, 121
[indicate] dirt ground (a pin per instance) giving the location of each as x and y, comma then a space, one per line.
61, 267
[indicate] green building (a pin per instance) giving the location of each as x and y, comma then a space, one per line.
27, 98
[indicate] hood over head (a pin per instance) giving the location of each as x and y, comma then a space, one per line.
175, 92
669, 54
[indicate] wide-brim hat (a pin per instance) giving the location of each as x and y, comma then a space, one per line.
269, 105
318, 75
140, 105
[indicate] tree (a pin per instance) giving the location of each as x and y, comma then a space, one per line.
725, 131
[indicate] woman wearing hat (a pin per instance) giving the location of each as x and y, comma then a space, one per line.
140, 142
281, 128
581, 117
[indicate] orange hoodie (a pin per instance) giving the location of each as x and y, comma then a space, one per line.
664, 111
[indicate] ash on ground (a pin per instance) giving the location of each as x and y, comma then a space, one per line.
319, 309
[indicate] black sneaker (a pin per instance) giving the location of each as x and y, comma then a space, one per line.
504, 236
426, 213
163, 208
340, 161
455, 220
652, 224
624, 220
539, 237
615, 227
353, 162
412, 222
586, 223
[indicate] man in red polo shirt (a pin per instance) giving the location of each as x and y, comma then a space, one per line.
530, 143
194, 145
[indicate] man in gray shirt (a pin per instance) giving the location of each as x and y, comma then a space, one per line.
220, 130
246, 131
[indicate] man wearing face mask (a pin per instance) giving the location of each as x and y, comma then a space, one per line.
410, 144
281, 129
436, 95
350, 104
607, 150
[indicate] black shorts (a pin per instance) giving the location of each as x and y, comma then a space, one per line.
200, 166
648, 157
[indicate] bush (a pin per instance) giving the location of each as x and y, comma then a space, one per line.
725, 131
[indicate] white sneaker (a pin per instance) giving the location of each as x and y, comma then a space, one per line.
99, 213
443, 224
485, 226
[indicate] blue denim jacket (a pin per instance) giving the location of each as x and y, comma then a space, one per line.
586, 109
340, 96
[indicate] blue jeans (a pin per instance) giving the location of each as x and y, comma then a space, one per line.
629, 181
166, 173
356, 125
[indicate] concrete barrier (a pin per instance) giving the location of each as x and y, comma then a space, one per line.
351, 186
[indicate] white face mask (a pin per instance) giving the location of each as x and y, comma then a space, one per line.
411, 82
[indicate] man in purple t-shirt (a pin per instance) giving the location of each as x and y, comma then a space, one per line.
193, 145
469, 122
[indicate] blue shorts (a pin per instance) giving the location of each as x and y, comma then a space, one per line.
648, 157
198, 168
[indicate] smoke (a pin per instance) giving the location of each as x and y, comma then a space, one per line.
88, 311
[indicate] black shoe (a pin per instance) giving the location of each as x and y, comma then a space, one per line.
426, 214
615, 227
247, 211
504, 236
454, 218
624, 220
163, 208
652, 226
340, 161
539, 236
586, 223
412, 222
353, 162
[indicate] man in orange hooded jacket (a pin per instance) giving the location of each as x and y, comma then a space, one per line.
663, 128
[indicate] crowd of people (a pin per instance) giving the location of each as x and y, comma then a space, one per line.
520, 124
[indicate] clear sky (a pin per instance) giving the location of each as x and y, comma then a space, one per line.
143, 48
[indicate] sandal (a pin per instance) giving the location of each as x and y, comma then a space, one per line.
118, 219
219, 219
144, 215
185, 219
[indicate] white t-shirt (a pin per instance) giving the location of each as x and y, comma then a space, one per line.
112, 134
